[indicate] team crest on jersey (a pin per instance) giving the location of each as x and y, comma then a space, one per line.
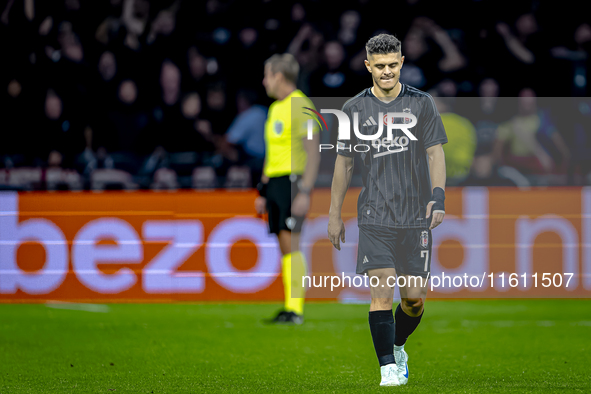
406, 111
278, 127
424, 239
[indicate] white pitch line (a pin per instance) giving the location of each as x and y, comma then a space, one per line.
96, 308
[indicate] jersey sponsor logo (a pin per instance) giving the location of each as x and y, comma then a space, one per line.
396, 145
424, 239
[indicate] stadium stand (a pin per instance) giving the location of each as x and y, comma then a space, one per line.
134, 86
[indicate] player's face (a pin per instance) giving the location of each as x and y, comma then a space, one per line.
385, 69
270, 81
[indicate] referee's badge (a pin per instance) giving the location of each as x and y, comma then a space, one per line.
290, 222
424, 239
278, 127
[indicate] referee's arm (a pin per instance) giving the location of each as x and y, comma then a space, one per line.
343, 171
312, 161
438, 177
260, 203
301, 203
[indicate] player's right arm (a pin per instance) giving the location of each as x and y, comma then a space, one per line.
343, 171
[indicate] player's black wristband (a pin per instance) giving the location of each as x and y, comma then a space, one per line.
439, 199
262, 188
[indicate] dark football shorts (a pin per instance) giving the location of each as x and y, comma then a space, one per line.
408, 250
281, 192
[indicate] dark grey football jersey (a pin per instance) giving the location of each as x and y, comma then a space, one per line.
396, 180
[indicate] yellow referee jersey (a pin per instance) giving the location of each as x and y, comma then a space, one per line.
284, 134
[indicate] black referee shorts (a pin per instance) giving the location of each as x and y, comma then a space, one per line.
408, 250
281, 192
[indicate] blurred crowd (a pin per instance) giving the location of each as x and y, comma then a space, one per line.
515, 141
167, 93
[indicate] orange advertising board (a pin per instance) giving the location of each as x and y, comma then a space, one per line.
210, 246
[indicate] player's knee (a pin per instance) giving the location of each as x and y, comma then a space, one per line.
413, 306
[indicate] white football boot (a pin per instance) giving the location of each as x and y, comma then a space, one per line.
389, 375
402, 363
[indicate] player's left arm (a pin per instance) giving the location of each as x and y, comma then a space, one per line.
438, 177
301, 203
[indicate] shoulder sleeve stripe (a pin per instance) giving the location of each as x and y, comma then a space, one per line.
358, 95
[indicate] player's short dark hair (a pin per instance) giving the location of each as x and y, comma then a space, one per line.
286, 64
383, 44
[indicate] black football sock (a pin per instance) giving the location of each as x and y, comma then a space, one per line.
381, 325
405, 325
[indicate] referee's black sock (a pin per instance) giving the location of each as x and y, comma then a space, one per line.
381, 325
405, 325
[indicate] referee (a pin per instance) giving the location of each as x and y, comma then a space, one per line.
401, 201
289, 173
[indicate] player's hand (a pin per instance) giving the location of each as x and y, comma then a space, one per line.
437, 216
336, 231
260, 205
300, 205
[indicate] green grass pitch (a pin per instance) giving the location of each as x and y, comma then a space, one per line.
477, 346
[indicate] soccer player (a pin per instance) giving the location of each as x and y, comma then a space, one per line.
401, 201
289, 174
